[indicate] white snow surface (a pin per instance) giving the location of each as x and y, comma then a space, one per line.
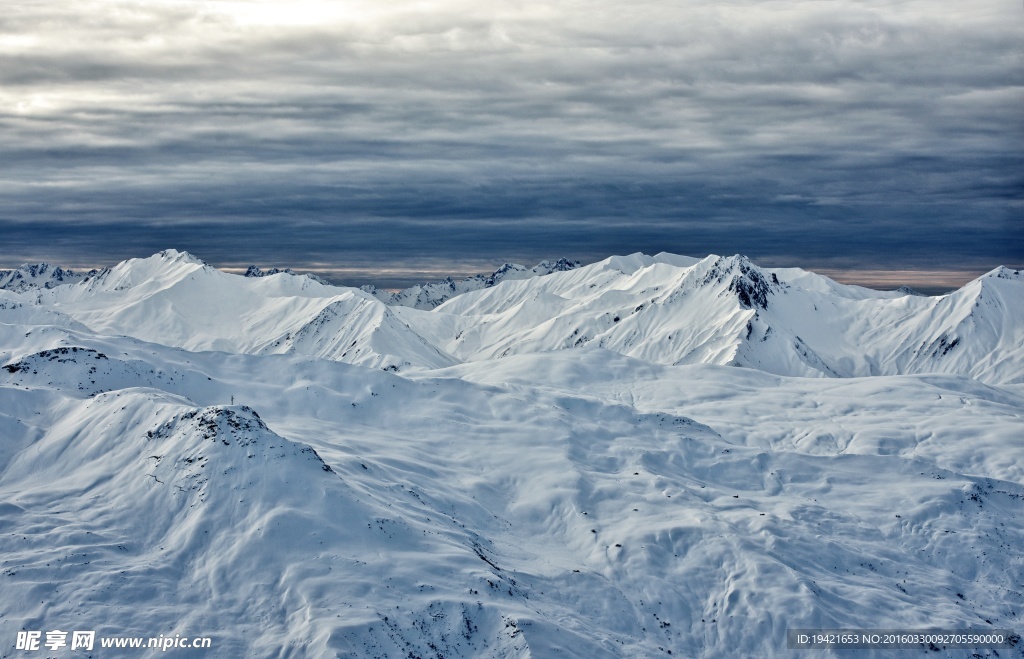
430, 296
638, 457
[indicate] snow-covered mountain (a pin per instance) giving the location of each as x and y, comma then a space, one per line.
624, 459
174, 298
430, 296
254, 271
726, 310
664, 309
40, 275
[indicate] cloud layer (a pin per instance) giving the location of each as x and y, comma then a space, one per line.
844, 133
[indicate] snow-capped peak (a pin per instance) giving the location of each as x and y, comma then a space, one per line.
180, 256
256, 271
1002, 272
561, 265
751, 284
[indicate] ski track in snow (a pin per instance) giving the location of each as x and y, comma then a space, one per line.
647, 456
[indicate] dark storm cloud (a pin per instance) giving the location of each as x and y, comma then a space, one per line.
843, 133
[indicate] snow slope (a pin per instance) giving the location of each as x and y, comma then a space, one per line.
554, 501
175, 299
429, 296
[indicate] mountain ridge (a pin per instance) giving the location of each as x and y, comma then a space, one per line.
430, 296
666, 309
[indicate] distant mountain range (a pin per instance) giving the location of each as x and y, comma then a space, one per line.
40, 275
430, 296
664, 309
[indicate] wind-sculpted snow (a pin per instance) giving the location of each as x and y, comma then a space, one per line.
507, 493
360, 330
89, 372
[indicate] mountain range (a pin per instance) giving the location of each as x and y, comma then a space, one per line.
664, 309
644, 456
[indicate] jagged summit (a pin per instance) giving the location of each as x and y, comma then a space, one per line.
40, 276
256, 272
561, 265
751, 284
502, 272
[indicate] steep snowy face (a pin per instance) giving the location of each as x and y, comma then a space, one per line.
975, 331
658, 309
750, 284
637, 305
360, 330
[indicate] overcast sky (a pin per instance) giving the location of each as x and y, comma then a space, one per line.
416, 137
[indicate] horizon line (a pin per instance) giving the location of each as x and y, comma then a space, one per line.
410, 272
